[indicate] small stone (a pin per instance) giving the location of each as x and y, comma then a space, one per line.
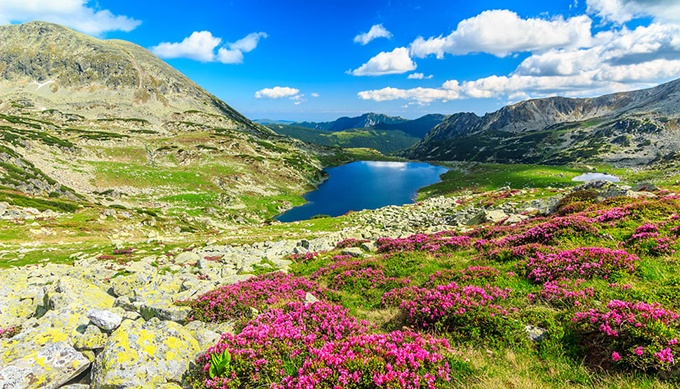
106, 320
535, 334
310, 298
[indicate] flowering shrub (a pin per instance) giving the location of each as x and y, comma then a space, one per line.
583, 262
320, 346
546, 232
9, 332
306, 257
394, 360
563, 293
350, 242
468, 311
611, 215
444, 241
632, 334
648, 240
236, 301
362, 276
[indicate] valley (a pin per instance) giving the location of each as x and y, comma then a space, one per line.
139, 245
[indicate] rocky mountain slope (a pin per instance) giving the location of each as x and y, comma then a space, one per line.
625, 128
107, 122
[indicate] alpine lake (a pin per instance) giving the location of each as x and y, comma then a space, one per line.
365, 185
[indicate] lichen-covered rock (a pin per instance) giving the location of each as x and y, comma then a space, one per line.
73, 291
48, 367
207, 334
144, 355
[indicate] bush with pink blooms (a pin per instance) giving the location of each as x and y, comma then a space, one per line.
583, 262
630, 334
468, 311
441, 242
647, 239
320, 346
563, 293
236, 301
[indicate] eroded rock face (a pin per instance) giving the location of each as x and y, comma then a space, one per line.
144, 354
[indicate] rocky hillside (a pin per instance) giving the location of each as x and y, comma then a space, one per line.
107, 122
627, 128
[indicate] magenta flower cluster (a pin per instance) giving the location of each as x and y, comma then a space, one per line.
583, 262
350, 242
469, 309
444, 241
563, 293
648, 239
637, 334
236, 301
320, 346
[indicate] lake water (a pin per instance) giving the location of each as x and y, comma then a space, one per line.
596, 176
365, 185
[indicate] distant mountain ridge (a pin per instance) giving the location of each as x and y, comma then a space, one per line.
384, 133
626, 128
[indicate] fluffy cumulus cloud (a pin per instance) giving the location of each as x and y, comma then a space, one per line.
376, 31
201, 46
77, 14
419, 76
277, 92
503, 32
614, 59
396, 61
621, 11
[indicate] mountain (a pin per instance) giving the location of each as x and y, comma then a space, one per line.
385, 141
106, 122
384, 133
626, 128
345, 123
417, 128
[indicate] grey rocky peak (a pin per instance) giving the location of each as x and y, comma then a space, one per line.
627, 128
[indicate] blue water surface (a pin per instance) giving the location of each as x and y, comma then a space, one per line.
365, 185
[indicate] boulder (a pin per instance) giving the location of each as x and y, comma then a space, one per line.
149, 354
48, 367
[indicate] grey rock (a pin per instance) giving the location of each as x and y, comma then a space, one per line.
106, 320
165, 311
535, 334
353, 251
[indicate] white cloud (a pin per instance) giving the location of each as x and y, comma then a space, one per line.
621, 11
72, 13
314, 94
201, 45
616, 60
376, 31
395, 62
503, 32
277, 92
248, 43
419, 76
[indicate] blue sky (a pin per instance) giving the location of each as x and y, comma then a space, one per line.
319, 60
